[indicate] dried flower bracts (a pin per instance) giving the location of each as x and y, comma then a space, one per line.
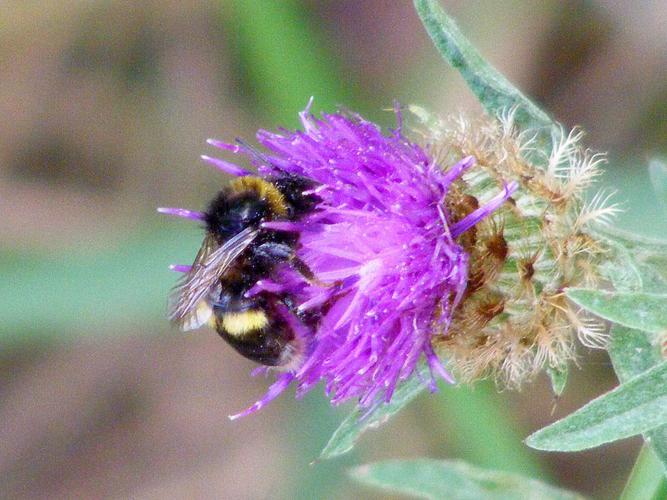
515, 320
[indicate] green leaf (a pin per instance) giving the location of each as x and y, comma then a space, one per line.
632, 354
630, 240
632, 253
636, 406
358, 422
621, 269
658, 173
454, 480
654, 272
558, 379
493, 90
642, 311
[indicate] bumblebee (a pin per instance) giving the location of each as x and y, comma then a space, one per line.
236, 253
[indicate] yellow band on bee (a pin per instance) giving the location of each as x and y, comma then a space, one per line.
242, 323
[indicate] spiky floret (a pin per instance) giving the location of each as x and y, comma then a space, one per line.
515, 319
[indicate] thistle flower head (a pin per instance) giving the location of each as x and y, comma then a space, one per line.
456, 248
383, 237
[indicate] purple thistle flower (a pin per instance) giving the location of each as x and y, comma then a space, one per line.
381, 233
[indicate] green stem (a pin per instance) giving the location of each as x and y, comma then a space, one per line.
647, 480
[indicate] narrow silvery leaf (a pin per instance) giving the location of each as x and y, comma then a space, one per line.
645, 258
558, 379
634, 407
621, 270
658, 172
493, 90
359, 421
631, 354
642, 311
454, 480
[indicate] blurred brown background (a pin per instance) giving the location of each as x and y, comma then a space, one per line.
106, 105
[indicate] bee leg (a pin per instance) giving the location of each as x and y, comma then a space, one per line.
289, 302
265, 285
302, 268
283, 252
274, 251
300, 345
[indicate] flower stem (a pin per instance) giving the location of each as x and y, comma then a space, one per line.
648, 478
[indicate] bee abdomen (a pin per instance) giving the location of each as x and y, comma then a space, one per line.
244, 323
255, 335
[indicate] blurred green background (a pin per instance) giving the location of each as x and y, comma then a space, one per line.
106, 105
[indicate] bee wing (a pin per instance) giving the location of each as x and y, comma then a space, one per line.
187, 305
